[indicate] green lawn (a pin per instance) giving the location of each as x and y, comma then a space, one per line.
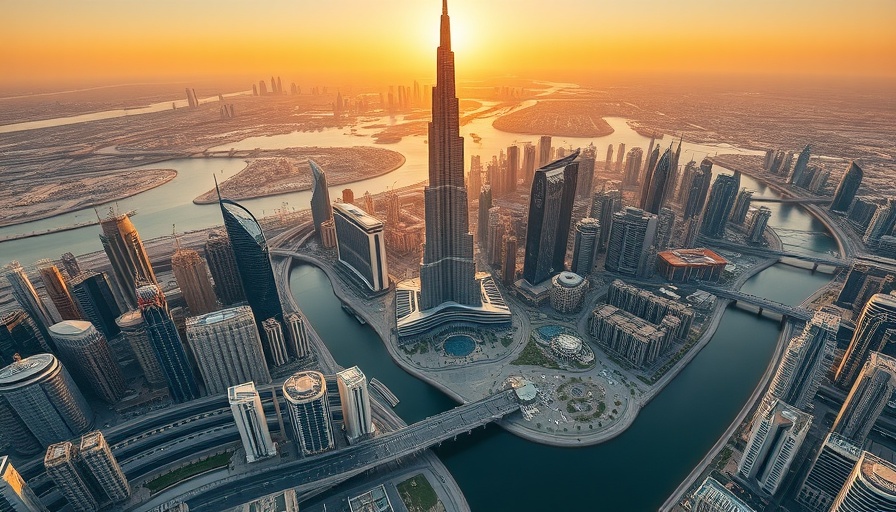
533, 356
168, 479
417, 494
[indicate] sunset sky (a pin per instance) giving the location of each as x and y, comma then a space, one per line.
109, 40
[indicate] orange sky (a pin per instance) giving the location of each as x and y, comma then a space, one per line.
106, 40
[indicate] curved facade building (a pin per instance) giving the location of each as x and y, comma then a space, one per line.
321, 210
661, 180
45, 398
134, 332
95, 298
871, 486
585, 248
568, 292
228, 349
877, 318
250, 248
361, 246
87, 352
309, 411
721, 200
847, 188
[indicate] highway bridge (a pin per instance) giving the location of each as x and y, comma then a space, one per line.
762, 303
765, 252
791, 200
319, 472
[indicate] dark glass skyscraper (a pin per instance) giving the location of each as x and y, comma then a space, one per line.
659, 182
695, 188
720, 204
846, 190
802, 162
867, 398
604, 204
222, 265
877, 320
448, 272
652, 159
550, 214
321, 210
20, 334
166, 344
93, 292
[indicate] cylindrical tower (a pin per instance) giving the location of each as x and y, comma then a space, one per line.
87, 352
134, 332
309, 411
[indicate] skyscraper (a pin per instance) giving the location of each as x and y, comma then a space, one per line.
448, 271
760, 222
309, 411
248, 413
586, 172
45, 398
15, 432
696, 188
15, 494
775, 439
95, 299
513, 168
25, 294
620, 156
802, 163
877, 320
102, 466
584, 250
652, 158
361, 246
485, 204
544, 150
882, 224
495, 241
721, 202
633, 164
321, 211
867, 398
133, 331
603, 206
87, 353
355, 403
608, 162
508, 269
19, 334
166, 344
665, 228
125, 250
222, 265
804, 364
631, 238
57, 290
871, 486
847, 188
250, 247
474, 180
61, 463
550, 214
528, 163
274, 339
227, 347
295, 324
70, 264
192, 278
828, 473
659, 185
741, 206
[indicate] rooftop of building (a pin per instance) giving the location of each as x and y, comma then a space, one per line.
714, 492
91, 440
880, 473
786, 413
67, 328
351, 376
692, 257
358, 215
242, 392
132, 318
25, 369
568, 279
219, 316
305, 386
59, 452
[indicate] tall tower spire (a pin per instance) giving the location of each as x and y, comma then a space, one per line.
445, 29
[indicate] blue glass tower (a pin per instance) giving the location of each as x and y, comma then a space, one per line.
166, 344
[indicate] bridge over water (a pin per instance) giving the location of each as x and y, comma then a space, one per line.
762, 303
314, 474
765, 252
791, 200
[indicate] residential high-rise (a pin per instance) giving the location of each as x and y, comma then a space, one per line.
741, 206
494, 243
19, 334
309, 411
719, 206
658, 184
15, 432
227, 347
603, 206
98, 460
544, 150
45, 398
300, 346
61, 462
508, 269
448, 272
321, 211
802, 163
57, 290
586, 172
485, 204
648, 165
620, 156
87, 353
474, 182
804, 364
829, 472
665, 228
528, 163
585, 248
847, 188
248, 413
636, 340
877, 321
652, 158
882, 224
250, 248
712, 496
631, 238
166, 344
695, 187
15, 494
125, 250
192, 278
513, 168
222, 265
96, 300
774, 441
760, 222
25, 294
274, 339
133, 330
633, 164
867, 398
871, 486
550, 214
361, 245
70, 264
355, 400
608, 162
